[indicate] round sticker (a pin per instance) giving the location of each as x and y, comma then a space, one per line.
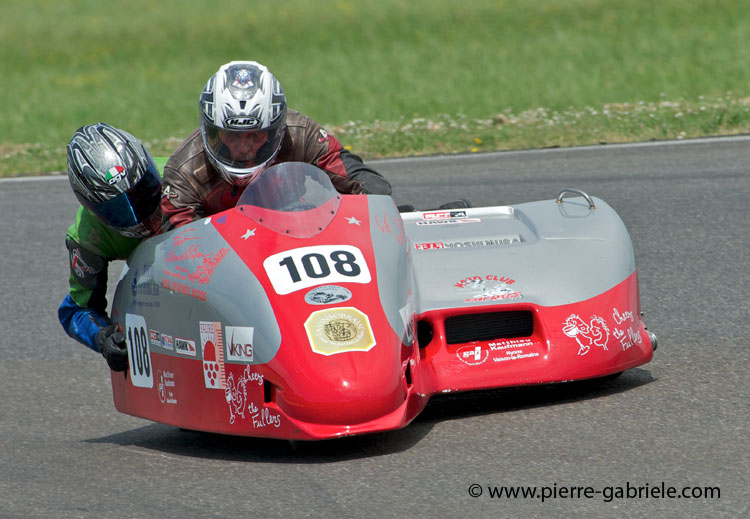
327, 295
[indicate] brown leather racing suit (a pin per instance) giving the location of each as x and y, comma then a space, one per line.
193, 189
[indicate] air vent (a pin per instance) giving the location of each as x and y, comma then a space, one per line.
487, 327
269, 392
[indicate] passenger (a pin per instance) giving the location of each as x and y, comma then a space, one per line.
115, 179
245, 127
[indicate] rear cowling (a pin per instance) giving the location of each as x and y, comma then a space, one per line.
546, 253
534, 293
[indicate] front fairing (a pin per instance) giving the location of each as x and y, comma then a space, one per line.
338, 280
250, 330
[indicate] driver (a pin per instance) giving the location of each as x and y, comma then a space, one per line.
115, 179
245, 127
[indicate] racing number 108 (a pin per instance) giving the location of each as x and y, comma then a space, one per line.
139, 352
316, 265
295, 269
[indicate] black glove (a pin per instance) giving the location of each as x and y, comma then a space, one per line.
112, 345
461, 203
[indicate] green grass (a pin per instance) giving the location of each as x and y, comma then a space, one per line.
388, 77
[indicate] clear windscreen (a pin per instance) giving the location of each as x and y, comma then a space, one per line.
293, 198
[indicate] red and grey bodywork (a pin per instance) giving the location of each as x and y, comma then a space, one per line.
315, 315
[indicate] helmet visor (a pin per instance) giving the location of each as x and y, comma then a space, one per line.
242, 149
134, 206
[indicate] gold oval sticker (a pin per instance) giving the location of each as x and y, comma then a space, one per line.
338, 330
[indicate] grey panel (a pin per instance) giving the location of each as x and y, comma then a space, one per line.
167, 277
393, 262
540, 252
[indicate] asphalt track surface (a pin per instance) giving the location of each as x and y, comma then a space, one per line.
681, 420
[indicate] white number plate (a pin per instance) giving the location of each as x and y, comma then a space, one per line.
139, 351
305, 267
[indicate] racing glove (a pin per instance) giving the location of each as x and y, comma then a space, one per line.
461, 203
112, 345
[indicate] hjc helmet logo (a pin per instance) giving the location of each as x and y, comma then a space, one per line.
247, 123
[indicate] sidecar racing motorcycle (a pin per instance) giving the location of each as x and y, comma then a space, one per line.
305, 314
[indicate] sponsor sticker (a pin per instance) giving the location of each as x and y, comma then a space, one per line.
212, 351
144, 284
473, 355
444, 215
167, 342
339, 330
490, 242
596, 331
237, 396
239, 344
429, 245
451, 221
489, 287
165, 387
327, 294
592, 331
242, 122
511, 350
189, 266
155, 338
185, 347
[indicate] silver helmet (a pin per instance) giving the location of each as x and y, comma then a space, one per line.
113, 176
243, 111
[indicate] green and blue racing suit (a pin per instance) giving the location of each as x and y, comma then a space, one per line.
91, 247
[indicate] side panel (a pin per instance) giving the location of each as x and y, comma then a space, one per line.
190, 275
393, 260
198, 323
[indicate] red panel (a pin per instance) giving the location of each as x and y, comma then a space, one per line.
605, 335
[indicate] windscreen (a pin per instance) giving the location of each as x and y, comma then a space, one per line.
292, 198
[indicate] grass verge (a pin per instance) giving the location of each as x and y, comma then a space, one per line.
506, 130
390, 78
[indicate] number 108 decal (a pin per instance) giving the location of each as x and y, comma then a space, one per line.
139, 352
305, 267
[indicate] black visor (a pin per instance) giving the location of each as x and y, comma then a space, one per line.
134, 206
